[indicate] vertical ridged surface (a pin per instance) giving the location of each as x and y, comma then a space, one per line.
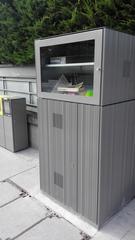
70, 152
91, 171
2, 133
118, 82
70, 147
88, 135
117, 158
8, 131
58, 150
43, 145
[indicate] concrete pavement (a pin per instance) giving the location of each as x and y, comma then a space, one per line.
23, 217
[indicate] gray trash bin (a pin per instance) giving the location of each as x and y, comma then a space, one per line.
13, 124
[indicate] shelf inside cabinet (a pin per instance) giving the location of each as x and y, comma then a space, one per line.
71, 64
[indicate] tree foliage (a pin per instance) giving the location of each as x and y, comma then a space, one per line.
21, 22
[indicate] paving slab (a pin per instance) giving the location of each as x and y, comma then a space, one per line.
130, 235
79, 222
29, 180
29, 154
14, 163
8, 193
104, 236
19, 216
52, 229
121, 225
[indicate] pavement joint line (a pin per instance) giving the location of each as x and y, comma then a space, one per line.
41, 204
27, 229
85, 236
6, 204
23, 193
18, 173
49, 215
52, 213
125, 235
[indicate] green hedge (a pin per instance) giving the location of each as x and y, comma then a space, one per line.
21, 22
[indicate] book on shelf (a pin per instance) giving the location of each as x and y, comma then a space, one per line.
67, 89
72, 88
58, 60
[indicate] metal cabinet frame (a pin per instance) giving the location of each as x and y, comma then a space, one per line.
97, 36
101, 166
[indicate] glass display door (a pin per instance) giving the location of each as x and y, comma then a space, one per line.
69, 67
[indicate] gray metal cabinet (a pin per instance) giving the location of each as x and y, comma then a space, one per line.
86, 93
19, 123
13, 124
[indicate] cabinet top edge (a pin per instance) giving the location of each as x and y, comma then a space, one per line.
82, 31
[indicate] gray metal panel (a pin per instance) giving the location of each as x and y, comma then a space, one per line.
117, 159
2, 133
19, 124
88, 136
56, 148
43, 145
33, 135
63, 152
70, 145
77, 37
118, 73
8, 127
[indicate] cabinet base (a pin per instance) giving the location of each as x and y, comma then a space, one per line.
73, 218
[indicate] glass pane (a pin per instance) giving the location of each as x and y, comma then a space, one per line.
68, 68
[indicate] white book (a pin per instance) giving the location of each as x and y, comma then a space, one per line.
68, 89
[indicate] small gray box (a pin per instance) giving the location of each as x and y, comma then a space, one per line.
14, 135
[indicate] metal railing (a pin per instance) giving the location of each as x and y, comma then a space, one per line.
24, 86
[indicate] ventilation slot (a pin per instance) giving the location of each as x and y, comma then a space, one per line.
58, 179
126, 69
57, 120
